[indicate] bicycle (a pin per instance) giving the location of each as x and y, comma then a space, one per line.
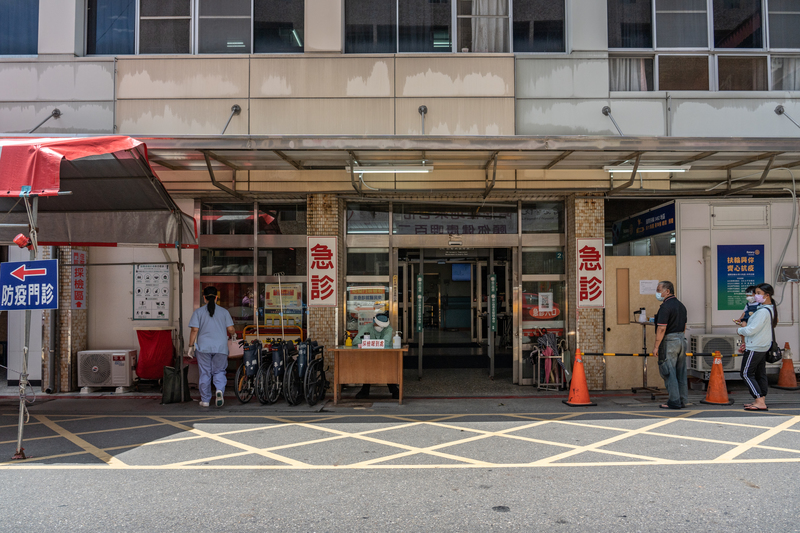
245, 378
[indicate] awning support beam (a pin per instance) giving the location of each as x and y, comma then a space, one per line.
296, 164
490, 185
756, 184
630, 181
217, 184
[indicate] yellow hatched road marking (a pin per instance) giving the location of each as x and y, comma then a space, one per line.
90, 448
734, 453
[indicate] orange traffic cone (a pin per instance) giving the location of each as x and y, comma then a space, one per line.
787, 379
578, 390
717, 390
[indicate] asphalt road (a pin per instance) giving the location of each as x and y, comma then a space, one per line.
429, 466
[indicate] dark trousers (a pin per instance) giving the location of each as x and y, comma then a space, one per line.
393, 388
754, 372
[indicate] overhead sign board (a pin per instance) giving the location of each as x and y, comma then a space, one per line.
29, 285
654, 222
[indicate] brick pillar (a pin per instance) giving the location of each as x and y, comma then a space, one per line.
325, 220
72, 323
585, 218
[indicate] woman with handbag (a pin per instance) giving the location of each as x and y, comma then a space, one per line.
209, 327
758, 335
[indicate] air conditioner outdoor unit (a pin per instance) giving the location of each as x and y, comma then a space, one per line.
725, 344
106, 368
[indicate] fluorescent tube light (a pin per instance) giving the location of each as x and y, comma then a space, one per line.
645, 168
388, 169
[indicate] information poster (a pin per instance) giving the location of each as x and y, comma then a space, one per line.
738, 267
151, 292
591, 273
363, 303
292, 296
493, 302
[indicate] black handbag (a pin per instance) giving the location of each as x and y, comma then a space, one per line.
774, 354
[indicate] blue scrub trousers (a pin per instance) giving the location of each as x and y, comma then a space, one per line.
212, 366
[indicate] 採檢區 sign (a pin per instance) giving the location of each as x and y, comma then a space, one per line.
591, 273
322, 271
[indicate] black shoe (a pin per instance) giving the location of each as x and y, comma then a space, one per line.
361, 395
396, 395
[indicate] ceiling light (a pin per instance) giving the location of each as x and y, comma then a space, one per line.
645, 168
388, 169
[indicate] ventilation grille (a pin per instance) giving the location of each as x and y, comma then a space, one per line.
95, 369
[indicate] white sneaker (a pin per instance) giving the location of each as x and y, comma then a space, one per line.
220, 399
203, 404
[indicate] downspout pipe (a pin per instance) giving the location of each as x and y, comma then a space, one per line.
707, 277
217, 184
630, 181
752, 185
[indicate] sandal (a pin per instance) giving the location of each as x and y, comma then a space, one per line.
753, 407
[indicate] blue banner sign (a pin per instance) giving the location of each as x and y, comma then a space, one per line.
738, 267
653, 222
29, 285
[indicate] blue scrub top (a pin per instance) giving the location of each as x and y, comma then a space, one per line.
212, 334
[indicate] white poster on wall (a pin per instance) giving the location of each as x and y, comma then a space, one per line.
648, 286
151, 292
591, 273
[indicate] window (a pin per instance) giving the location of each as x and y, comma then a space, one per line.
483, 26
224, 27
631, 74
786, 73
742, 73
194, 26
367, 261
278, 26
165, 26
683, 73
543, 217
681, 24
19, 27
367, 219
737, 24
424, 26
784, 20
429, 219
111, 27
370, 26
630, 24
539, 26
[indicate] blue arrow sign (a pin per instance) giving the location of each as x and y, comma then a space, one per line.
29, 285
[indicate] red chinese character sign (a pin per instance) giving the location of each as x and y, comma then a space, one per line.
322, 271
79, 279
591, 273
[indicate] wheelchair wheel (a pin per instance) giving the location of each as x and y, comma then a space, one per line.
261, 386
315, 382
243, 385
292, 384
273, 385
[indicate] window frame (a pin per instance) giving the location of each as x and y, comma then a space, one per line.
194, 33
454, 17
711, 51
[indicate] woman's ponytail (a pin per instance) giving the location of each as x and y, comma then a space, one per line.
210, 294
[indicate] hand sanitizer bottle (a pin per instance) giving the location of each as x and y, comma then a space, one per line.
396, 340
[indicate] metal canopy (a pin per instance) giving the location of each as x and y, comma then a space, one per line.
106, 200
333, 152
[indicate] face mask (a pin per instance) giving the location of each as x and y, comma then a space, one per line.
759, 298
659, 297
751, 299
379, 328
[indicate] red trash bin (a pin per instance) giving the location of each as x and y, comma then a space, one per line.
155, 351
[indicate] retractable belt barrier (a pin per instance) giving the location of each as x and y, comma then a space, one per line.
688, 354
